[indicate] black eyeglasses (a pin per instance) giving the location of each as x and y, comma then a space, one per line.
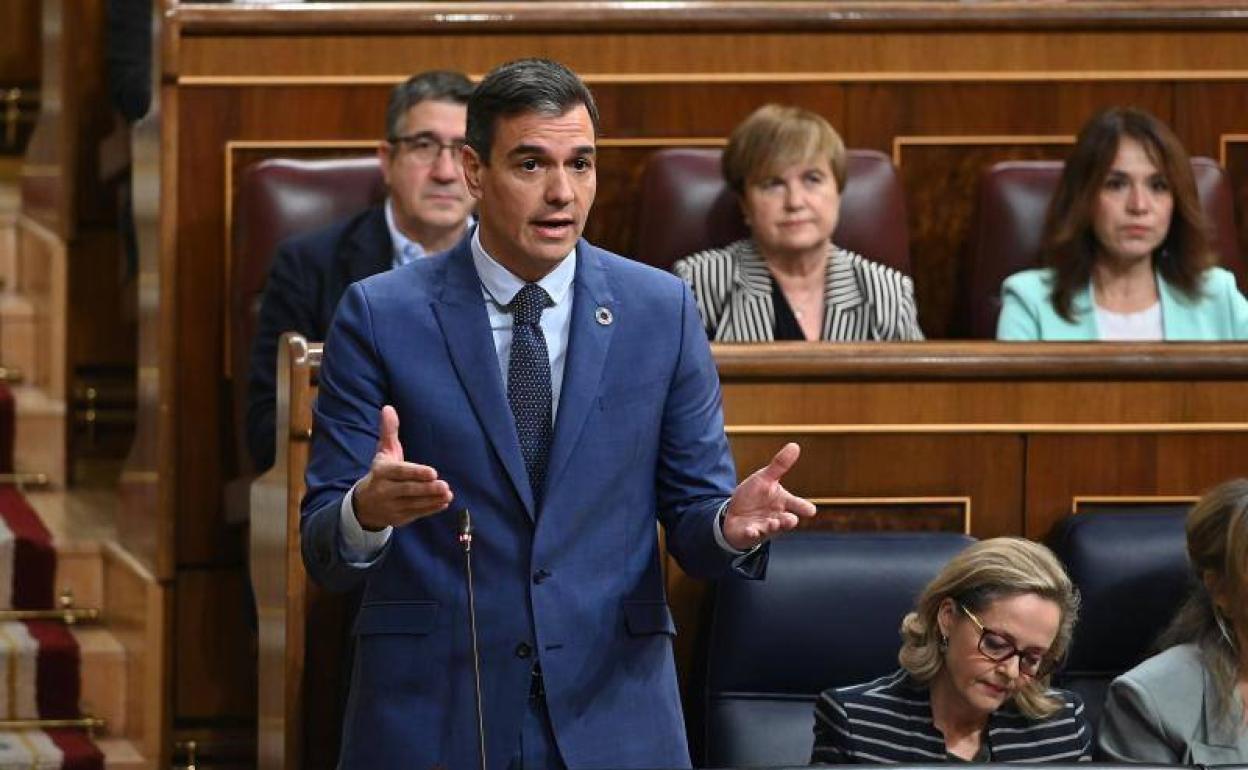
996, 647
424, 147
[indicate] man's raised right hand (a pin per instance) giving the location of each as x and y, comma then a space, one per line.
395, 491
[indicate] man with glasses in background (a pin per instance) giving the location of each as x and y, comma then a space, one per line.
428, 210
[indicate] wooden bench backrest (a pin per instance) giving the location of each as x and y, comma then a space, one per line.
299, 715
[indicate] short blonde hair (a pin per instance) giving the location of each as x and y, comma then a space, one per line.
775, 137
982, 573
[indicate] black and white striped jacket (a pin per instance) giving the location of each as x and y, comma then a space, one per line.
890, 720
863, 300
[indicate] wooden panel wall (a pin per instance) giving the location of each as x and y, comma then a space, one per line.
945, 87
19, 43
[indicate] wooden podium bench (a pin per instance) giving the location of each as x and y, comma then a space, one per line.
301, 628
986, 438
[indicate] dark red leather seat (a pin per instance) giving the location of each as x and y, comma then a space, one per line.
686, 207
278, 198
1009, 221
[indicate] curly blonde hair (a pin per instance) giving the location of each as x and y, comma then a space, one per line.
981, 574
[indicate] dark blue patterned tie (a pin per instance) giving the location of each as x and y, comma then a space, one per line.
528, 383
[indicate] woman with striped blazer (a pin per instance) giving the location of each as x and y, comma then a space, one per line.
975, 660
788, 281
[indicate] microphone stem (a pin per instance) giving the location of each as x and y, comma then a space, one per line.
466, 539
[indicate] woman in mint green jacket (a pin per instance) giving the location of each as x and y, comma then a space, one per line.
1126, 247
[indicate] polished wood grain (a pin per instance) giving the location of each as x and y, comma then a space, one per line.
19, 43
147, 516
981, 361
564, 14
1062, 468
211, 610
283, 593
678, 56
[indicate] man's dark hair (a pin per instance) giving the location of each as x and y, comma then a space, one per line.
525, 85
434, 85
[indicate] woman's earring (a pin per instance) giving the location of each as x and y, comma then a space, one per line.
1226, 631
943, 644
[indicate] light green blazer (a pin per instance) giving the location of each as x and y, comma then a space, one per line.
1027, 314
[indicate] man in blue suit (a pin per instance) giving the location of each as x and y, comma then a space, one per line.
567, 397
427, 210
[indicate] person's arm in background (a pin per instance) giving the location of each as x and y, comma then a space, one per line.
128, 56
286, 306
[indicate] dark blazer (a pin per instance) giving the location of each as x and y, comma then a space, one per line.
575, 581
889, 720
308, 276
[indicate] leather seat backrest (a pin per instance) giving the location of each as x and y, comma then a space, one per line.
1131, 570
1009, 224
276, 199
827, 615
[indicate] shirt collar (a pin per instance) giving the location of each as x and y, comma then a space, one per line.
502, 284
405, 250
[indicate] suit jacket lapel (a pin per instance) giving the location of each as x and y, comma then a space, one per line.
750, 300
1177, 319
589, 338
460, 311
843, 296
370, 250
1224, 739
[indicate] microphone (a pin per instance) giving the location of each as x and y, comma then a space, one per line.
465, 539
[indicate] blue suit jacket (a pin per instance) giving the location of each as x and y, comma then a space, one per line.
1219, 313
639, 434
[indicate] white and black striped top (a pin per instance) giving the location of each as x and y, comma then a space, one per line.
863, 300
890, 720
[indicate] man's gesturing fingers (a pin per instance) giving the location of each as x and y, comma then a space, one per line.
388, 445
394, 494
395, 491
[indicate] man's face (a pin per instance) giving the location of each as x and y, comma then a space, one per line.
536, 191
423, 173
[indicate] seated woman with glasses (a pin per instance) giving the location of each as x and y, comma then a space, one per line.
1187, 705
976, 656
788, 281
1125, 246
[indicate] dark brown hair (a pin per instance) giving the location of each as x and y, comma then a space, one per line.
1070, 245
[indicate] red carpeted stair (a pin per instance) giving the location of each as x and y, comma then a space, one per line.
39, 660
